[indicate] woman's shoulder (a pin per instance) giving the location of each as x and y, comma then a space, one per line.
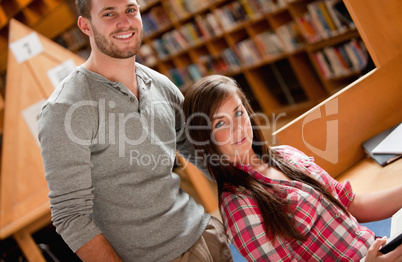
287, 151
293, 155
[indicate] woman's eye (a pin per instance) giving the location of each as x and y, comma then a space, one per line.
219, 124
239, 113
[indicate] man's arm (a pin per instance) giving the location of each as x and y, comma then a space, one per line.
98, 250
68, 173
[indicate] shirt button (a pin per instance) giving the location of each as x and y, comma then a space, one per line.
357, 232
337, 215
132, 99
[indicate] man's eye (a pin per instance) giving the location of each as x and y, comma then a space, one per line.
132, 10
107, 14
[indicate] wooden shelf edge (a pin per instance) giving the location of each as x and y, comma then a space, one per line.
25, 221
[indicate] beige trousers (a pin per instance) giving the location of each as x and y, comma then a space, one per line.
212, 246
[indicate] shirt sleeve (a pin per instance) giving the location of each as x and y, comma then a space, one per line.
244, 227
65, 144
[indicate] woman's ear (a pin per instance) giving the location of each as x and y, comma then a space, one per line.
84, 25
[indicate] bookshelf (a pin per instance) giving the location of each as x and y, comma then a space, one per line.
288, 55
361, 110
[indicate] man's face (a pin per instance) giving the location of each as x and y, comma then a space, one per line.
116, 27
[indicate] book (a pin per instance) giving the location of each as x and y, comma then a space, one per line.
396, 233
370, 144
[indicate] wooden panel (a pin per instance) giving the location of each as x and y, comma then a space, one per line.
333, 131
28, 246
197, 185
367, 176
1, 114
380, 26
24, 191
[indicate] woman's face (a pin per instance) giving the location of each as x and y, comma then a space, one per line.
232, 130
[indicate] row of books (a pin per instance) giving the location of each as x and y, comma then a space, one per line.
190, 34
279, 77
291, 36
340, 60
324, 19
270, 44
257, 7
179, 9
231, 14
247, 52
203, 26
226, 62
238, 11
155, 19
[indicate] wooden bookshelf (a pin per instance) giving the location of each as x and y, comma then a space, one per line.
186, 40
193, 42
361, 110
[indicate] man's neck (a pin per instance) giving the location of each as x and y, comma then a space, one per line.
115, 70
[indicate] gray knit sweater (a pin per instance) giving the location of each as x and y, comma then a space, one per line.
108, 162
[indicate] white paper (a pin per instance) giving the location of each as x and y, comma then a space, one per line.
396, 224
31, 117
58, 73
26, 47
392, 144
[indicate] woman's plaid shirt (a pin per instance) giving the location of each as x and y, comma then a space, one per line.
331, 234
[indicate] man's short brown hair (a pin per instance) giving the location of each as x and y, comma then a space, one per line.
84, 8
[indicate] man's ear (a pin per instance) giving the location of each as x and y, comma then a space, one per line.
84, 25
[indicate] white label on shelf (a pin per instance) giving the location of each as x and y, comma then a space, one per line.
31, 117
26, 47
58, 73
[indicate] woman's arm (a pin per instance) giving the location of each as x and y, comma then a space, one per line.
378, 205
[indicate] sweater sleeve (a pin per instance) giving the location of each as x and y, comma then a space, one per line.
66, 134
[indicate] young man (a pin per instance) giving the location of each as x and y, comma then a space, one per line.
109, 135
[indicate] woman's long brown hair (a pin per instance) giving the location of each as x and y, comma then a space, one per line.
202, 100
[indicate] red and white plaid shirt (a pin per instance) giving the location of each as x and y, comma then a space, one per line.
331, 234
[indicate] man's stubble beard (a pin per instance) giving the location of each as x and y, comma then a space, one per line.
110, 49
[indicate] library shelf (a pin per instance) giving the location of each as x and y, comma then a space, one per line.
270, 47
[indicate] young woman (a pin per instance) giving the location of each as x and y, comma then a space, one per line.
276, 203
